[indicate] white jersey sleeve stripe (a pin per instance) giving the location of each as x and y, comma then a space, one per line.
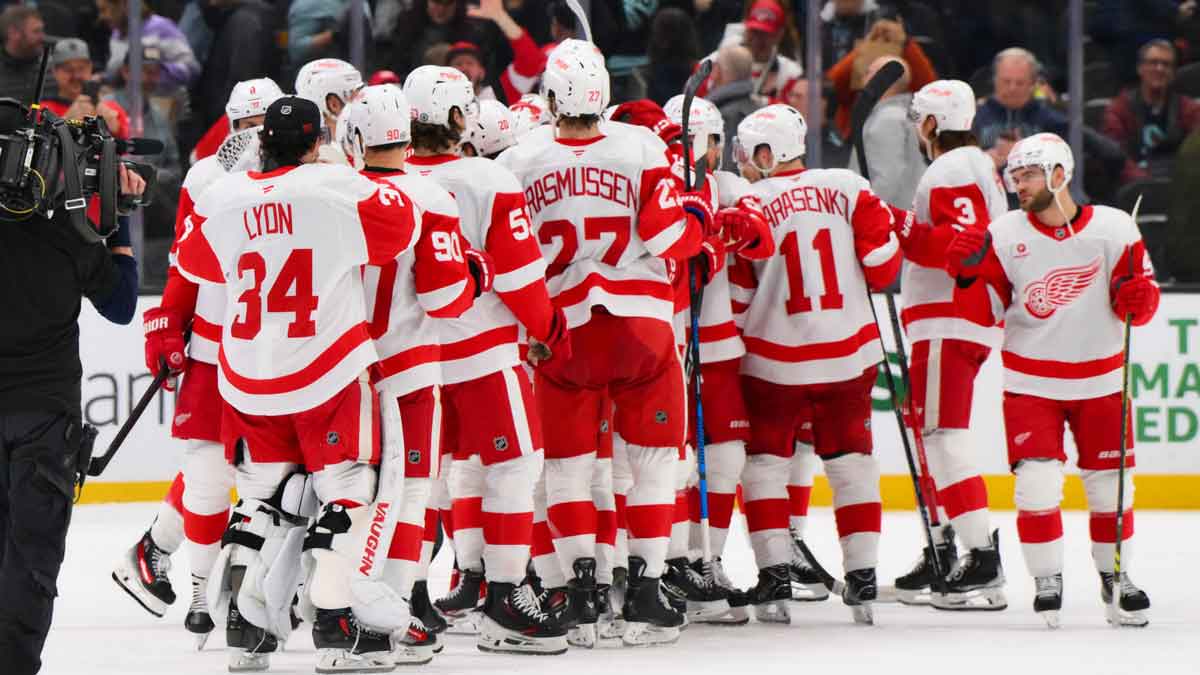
434, 300
520, 277
664, 240
884, 253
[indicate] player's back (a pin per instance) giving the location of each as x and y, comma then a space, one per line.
808, 321
210, 300
960, 189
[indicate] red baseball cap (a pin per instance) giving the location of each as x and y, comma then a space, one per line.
464, 47
766, 16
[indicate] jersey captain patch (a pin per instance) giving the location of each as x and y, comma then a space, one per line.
1059, 288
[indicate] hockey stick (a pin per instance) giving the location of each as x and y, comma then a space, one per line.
98, 464
1116, 587
696, 289
867, 98
581, 16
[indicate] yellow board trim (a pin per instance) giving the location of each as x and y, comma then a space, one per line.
1154, 491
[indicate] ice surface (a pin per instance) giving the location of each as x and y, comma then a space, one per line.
98, 630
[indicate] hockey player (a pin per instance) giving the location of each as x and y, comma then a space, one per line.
608, 215
494, 131
403, 298
1063, 278
331, 84
287, 244
197, 505
959, 190
490, 422
812, 352
530, 112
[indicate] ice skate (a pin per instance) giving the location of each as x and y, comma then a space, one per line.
914, 588
415, 646
771, 594
976, 583
198, 621
609, 624
649, 620
735, 613
423, 611
142, 573
513, 622
860, 593
1047, 600
460, 606
1134, 602
250, 647
703, 600
806, 583
581, 613
346, 646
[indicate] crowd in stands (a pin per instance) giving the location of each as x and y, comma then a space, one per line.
1142, 70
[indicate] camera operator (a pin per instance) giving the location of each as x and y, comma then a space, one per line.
78, 90
46, 267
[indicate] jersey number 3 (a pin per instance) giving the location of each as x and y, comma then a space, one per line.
291, 293
822, 245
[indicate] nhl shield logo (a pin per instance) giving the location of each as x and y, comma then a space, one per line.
500, 443
414, 456
660, 416
332, 438
604, 426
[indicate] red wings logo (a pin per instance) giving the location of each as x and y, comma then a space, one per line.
1059, 288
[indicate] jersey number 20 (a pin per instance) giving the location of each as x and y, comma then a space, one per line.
291, 293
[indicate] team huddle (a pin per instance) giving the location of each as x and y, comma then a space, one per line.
403, 320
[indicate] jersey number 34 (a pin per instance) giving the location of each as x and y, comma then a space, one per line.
291, 293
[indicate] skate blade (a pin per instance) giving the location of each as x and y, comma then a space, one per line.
802, 592
863, 614
522, 646
1051, 618
134, 588
345, 661
639, 634
242, 661
977, 600
611, 630
463, 624
201, 640
1120, 618
582, 636
775, 611
903, 596
408, 655
733, 616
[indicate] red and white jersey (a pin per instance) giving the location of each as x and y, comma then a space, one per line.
493, 218
1053, 289
209, 304
287, 245
405, 296
607, 215
808, 321
960, 189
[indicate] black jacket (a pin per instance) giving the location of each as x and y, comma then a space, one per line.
735, 104
243, 48
18, 78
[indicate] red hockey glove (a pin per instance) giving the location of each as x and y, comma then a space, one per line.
966, 250
745, 233
711, 258
1137, 296
164, 342
482, 268
697, 204
557, 343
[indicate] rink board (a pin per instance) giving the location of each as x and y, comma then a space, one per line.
1165, 383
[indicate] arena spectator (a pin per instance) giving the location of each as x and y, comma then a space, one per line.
845, 22
24, 36
155, 124
730, 89
311, 27
428, 23
1150, 120
71, 66
674, 51
771, 38
1183, 237
835, 151
1123, 26
887, 37
529, 60
893, 151
465, 57
243, 48
179, 67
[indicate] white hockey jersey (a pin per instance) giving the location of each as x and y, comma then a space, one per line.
1052, 287
960, 189
405, 296
209, 309
493, 218
287, 245
808, 320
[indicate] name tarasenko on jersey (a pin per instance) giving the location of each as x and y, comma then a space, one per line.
807, 198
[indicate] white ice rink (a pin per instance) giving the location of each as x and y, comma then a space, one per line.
98, 630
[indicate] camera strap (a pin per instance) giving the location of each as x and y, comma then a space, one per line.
75, 204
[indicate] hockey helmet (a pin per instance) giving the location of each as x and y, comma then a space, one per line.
576, 76
780, 127
433, 91
250, 98
379, 115
1045, 151
494, 130
951, 103
704, 121
530, 112
321, 78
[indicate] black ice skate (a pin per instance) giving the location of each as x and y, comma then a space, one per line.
346, 646
198, 621
649, 620
609, 623
1133, 602
142, 573
713, 573
703, 600
807, 585
976, 583
860, 593
514, 623
423, 610
771, 594
1047, 599
250, 647
914, 588
416, 645
461, 604
582, 614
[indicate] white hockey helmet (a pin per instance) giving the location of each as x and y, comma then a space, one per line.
704, 120
575, 75
250, 98
433, 91
950, 102
780, 127
494, 131
530, 112
379, 115
321, 78
1045, 151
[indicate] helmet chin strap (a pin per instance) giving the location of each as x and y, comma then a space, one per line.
1056, 191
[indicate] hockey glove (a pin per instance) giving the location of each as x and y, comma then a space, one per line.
966, 250
164, 342
482, 268
711, 258
1136, 296
745, 233
697, 205
556, 345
